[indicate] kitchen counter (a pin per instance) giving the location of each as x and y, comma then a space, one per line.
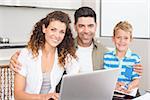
7, 50
5, 55
4, 63
13, 45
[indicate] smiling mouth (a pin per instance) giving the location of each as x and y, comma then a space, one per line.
56, 40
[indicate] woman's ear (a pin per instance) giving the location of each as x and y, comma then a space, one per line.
43, 28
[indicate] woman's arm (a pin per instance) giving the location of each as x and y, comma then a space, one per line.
20, 94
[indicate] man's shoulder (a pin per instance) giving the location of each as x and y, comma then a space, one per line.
96, 40
99, 44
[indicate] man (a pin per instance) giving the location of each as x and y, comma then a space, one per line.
89, 51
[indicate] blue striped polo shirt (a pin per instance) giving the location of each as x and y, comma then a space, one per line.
126, 64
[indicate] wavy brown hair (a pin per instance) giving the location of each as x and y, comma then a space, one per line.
37, 39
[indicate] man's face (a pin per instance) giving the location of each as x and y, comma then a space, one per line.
85, 28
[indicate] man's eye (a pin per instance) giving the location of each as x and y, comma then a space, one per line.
91, 25
81, 26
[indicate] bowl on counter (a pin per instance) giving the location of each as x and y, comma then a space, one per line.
4, 40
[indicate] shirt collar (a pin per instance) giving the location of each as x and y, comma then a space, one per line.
128, 53
76, 43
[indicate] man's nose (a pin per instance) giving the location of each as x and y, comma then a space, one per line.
86, 29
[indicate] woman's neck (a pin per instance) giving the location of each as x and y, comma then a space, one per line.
48, 56
48, 50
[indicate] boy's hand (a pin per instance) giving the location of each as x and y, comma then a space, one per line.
119, 86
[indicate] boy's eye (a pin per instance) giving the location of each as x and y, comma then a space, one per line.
118, 37
126, 38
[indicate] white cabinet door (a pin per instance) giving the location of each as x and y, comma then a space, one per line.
61, 4
135, 11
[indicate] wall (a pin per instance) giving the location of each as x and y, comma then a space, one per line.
130, 10
16, 23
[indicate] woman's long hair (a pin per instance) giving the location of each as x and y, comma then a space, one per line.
37, 40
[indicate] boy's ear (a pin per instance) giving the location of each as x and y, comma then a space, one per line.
113, 38
131, 39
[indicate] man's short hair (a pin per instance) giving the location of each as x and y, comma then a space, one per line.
84, 12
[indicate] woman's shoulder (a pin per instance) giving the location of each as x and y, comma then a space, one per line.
25, 52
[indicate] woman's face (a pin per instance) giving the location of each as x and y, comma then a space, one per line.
54, 33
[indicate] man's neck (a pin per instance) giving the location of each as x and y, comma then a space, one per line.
81, 44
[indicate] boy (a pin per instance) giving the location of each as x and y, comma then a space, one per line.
123, 58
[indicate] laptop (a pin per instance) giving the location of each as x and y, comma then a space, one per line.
97, 85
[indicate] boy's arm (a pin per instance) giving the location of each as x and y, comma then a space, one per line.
134, 84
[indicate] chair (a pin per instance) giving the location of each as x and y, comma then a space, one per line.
6, 83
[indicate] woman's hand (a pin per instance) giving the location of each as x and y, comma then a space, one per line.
14, 64
52, 96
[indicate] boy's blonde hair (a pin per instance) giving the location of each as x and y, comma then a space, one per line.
125, 26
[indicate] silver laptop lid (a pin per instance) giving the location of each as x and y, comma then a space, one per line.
97, 85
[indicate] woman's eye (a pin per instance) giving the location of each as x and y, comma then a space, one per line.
62, 32
53, 29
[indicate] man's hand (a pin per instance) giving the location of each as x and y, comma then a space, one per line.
14, 64
138, 68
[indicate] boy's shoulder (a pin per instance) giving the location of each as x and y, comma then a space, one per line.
134, 54
109, 52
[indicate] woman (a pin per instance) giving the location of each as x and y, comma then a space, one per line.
49, 51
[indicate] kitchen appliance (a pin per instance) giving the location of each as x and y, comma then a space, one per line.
4, 40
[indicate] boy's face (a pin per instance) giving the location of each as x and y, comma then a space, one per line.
85, 28
122, 40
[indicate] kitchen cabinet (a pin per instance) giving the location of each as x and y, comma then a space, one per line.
5, 55
61, 4
137, 12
